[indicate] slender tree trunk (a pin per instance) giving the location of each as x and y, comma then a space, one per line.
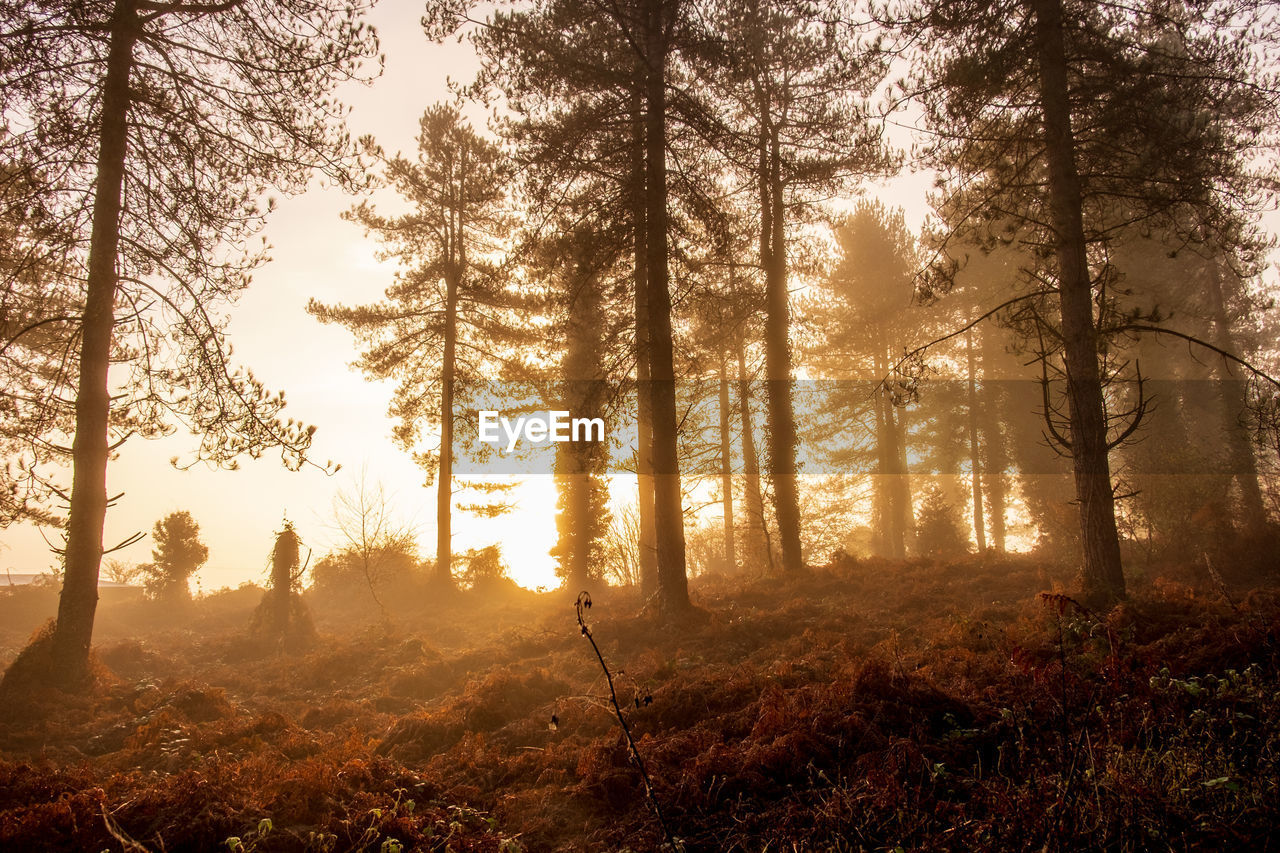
995, 451
648, 546
726, 468
904, 512
1244, 466
891, 461
88, 511
579, 464
882, 496
673, 582
897, 503
1102, 577
975, 450
777, 350
758, 538
444, 484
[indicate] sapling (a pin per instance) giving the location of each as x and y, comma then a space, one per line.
583, 605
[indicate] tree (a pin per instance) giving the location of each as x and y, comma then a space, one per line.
177, 555
582, 519
939, 532
861, 313
118, 571
160, 125
575, 87
442, 321
652, 28
792, 89
371, 537
282, 618
485, 571
572, 70
724, 308
1079, 120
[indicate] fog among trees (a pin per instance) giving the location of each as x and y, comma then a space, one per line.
871, 533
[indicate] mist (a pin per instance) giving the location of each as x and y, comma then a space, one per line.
783, 425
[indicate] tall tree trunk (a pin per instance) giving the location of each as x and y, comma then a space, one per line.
758, 539
881, 494
668, 511
444, 483
891, 461
996, 455
648, 546
975, 450
88, 511
1244, 466
580, 464
726, 467
905, 519
898, 501
777, 350
1102, 577
457, 265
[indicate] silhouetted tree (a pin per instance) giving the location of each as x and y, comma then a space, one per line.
160, 125
1075, 118
177, 555
370, 536
939, 532
862, 314
791, 87
581, 466
576, 87
485, 569
282, 618
437, 329
594, 80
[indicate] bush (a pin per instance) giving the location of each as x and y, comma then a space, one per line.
939, 531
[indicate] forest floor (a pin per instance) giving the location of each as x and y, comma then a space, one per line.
868, 705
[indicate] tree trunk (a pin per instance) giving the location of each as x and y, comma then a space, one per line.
88, 506
284, 560
1102, 577
975, 451
1244, 466
891, 463
995, 451
881, 495
580, 464
777, 350
644, 390
668, 512
896, 501
726, 468
444, 483
758, 539
905, 516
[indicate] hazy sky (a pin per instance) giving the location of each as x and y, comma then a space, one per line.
316, 254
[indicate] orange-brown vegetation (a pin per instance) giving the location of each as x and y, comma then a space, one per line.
869, 705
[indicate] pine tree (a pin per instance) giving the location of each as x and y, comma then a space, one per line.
590, 85
178, 555
585, 389
1075, 119
790, 87
160, 125
862, 314
444, 323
